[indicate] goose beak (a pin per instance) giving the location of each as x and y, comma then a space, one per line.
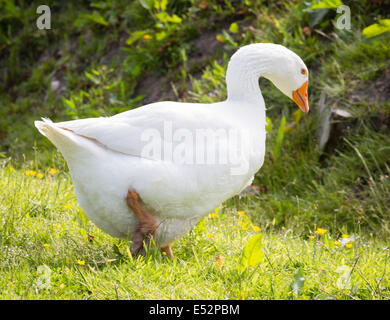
300, 97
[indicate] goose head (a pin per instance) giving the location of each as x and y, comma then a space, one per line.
284, 68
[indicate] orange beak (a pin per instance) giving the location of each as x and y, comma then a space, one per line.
300, 97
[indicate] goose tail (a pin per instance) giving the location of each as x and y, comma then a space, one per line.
65, 140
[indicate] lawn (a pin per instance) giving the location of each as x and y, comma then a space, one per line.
315, 226
49, 250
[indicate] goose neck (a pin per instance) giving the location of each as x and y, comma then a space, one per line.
245, 68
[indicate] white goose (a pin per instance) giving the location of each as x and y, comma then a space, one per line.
158, 169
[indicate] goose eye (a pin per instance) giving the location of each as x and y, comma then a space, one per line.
303, 71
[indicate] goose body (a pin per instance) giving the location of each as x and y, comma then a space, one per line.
183, 159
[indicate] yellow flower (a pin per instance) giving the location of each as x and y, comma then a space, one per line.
33, 173
311, 237
147, 37
244, 228
320, 231
256, 228
52, 171
220, 38
11, 169
80, 262
283, 228
337, 243
210, 235
348, 245
345, 236
67, 206
46, 245
240, 213
27, 172
39, 175
212, 215
67, 260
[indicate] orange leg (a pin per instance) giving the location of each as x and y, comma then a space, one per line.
168, 251
147, 223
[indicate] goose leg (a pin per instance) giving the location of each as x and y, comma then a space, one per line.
147, 223
168, 250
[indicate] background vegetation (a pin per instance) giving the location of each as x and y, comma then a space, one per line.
323, 199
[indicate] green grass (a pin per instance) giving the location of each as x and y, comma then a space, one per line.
98, 52
42, 225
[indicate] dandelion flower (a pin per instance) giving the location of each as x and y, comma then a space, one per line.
52, 171
345, 236
212, 215
210, 235
46, 245
67, 206
348, 245
39, 175
33, 173
320, 231
11, 169
27, 172
311, 237
220, 38
80, 262
338, 243
244, 228
240, 213
147, 37
256, 228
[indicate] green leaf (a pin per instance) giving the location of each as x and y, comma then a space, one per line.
162, 16
134, 37
377, 28
297, 283
116, 250
92, 78
163, 5
174, 19
268, 126
70, 103
161, 35
252, 254
279, 138
326, 4
147, 4
233, 27
97, 18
